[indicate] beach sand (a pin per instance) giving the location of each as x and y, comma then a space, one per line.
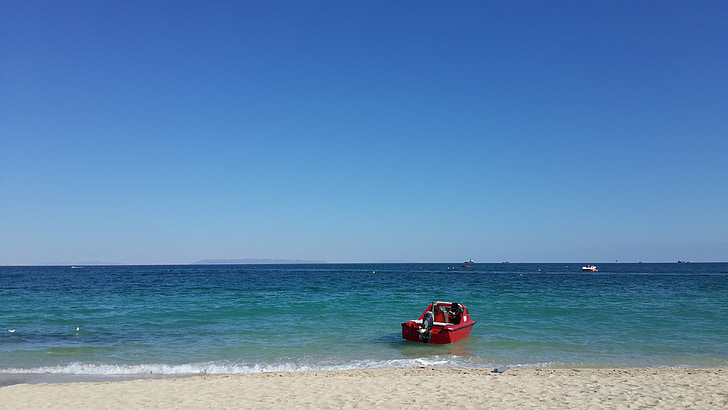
451, 388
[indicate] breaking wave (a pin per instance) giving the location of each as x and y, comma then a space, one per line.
220, 368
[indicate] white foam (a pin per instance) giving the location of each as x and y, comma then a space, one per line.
224, 367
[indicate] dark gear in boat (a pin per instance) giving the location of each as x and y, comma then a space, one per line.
455, 313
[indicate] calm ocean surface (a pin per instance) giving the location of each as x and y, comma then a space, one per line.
137, 321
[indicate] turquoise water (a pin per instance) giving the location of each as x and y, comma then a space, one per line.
221, 319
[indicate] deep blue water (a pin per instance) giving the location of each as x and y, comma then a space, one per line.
192, 319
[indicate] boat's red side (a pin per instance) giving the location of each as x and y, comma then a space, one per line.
440, 334
450, 333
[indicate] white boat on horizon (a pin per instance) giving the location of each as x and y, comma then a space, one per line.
589, 268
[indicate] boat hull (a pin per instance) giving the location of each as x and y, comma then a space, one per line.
444, 322
440, 335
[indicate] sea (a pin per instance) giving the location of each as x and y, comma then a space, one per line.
64, 323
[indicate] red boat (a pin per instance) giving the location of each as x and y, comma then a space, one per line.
441, 323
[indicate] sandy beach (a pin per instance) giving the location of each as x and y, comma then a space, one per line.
459, 388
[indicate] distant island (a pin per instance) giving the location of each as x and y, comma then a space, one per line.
252, 261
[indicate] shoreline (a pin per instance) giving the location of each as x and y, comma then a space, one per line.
31, 378
461, 387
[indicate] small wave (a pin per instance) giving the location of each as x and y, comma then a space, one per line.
161, 369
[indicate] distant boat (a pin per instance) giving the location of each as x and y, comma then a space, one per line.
683, 262
468, 264
589, 268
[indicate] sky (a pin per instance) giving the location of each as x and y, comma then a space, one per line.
160, 132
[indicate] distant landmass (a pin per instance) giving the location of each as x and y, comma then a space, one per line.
252, 261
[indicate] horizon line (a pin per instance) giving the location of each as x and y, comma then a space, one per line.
204, 262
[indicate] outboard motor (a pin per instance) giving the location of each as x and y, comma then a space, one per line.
425, 329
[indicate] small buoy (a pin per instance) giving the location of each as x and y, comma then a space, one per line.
78, 328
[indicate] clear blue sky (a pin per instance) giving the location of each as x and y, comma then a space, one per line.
413, 131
